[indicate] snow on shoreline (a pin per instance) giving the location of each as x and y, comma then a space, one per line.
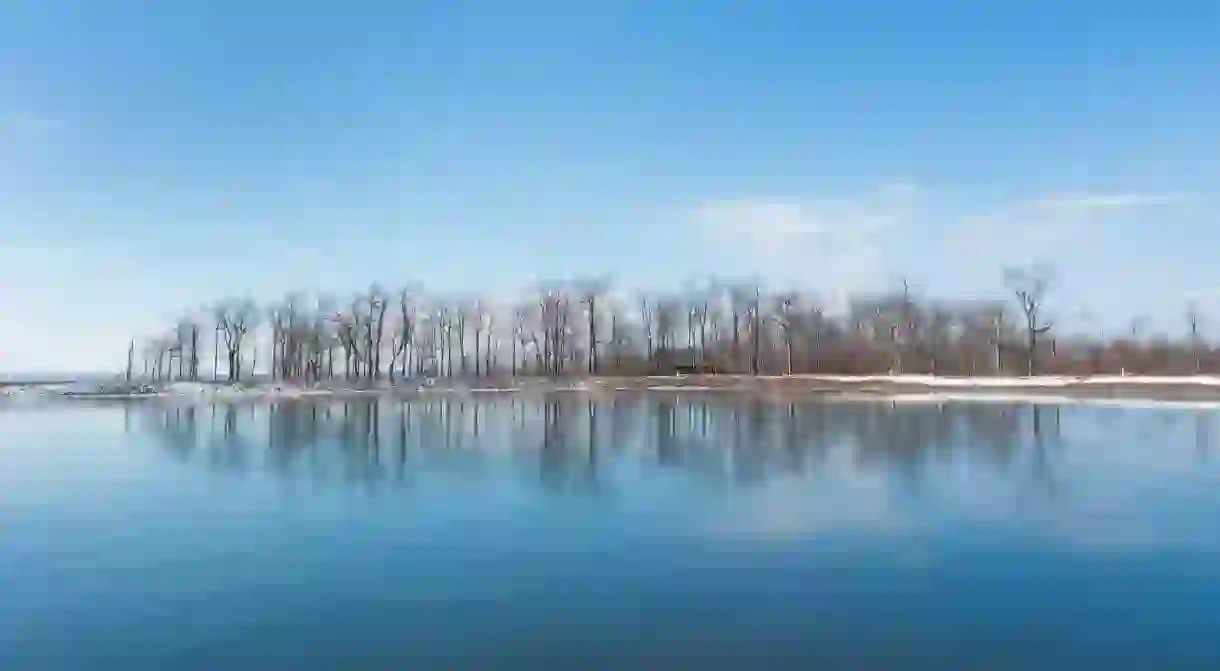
1158, 391
1038, 381
938, 398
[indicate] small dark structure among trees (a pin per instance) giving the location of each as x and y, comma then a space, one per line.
680, 362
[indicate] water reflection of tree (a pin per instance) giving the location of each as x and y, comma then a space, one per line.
566, 442
361, 450
1043, 439
568, 450
231, 452
292, 429
1203, 435
175, 426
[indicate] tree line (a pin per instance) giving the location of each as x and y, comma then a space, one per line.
713, 326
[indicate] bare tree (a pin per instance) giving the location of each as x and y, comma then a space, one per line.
784, 318
402, 340
347, 330
589, 292
478, 318
618, 335
666, 317
235, 319
647, 308
940, 324
554, 311
1030, 286
741, 301
461, 316
194, 350
490, 352
905, 329
756, 326
520, 317
559, 328
377, 302
216, 351
1193, 320
817, 328
699, 295
997, 338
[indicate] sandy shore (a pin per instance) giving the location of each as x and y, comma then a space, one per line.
899, 388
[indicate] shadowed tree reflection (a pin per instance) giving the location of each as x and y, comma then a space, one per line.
572, 444
749, 455
176, 427
231, 451
568, 450
1203, 435
1042, 471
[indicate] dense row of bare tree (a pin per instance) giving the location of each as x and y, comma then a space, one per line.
581, 327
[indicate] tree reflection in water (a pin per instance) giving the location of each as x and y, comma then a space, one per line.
569, 443
715, 440
1203, 435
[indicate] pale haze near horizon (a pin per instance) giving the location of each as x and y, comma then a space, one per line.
157, 157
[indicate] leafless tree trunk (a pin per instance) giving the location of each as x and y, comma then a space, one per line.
1030, 285
478, 343
903, 331
235, 320
590, 292
647, 315
997, 341
194, 352
489, 351
701, 313
1193, 318
756, 331
519, 318
784, 320
741, 298
447, 326
378, 303
461, 314
816, 323
616, 339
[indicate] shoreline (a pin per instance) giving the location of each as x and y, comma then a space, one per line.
1195, 391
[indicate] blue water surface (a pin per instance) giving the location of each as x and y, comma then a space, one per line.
657, 531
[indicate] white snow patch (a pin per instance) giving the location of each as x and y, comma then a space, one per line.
1038, 399
937, 381
678, 388
1039, 381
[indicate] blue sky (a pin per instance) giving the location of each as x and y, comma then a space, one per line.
155, 156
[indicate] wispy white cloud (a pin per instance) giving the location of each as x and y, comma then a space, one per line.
847, 499
1085, 202
838, 244
1043, 229
844, 246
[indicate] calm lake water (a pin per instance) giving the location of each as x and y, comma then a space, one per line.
640, 533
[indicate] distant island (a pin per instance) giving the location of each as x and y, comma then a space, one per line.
714, 335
